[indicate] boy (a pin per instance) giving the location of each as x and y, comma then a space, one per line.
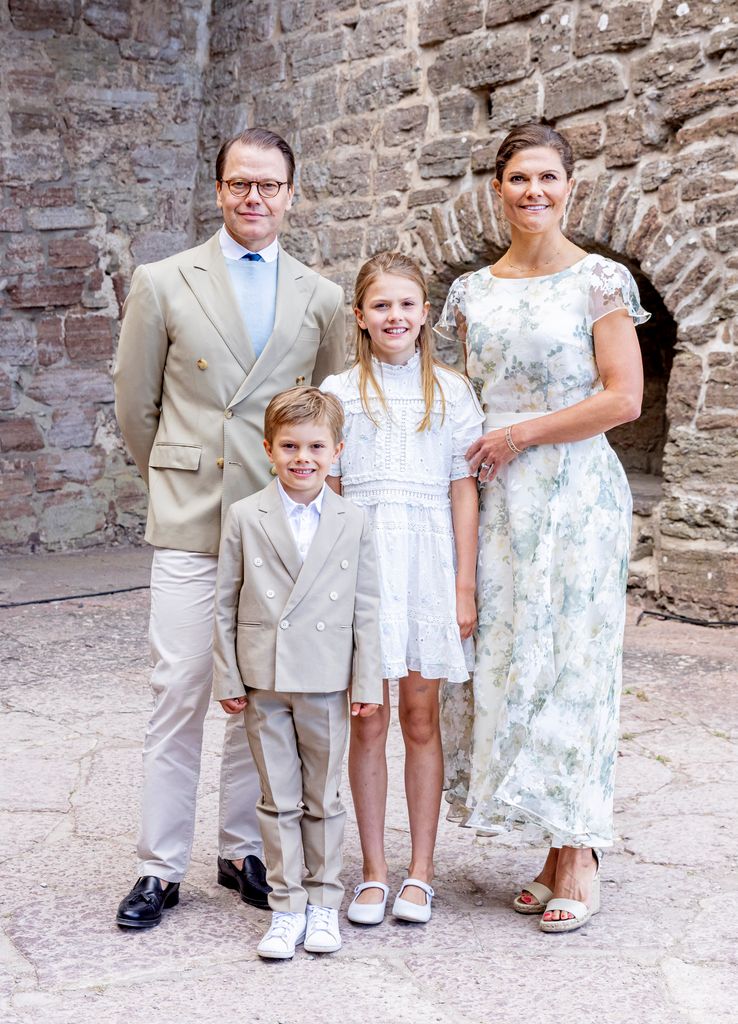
296, 610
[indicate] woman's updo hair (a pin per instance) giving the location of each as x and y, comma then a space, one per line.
527, 136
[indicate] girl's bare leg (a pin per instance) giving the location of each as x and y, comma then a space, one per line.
368, 777
421, 731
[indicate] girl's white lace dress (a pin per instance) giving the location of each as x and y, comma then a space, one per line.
553, 563
401, 476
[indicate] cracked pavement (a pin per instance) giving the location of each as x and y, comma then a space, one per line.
75, 699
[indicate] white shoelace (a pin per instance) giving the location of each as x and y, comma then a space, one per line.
283, 924
320, 918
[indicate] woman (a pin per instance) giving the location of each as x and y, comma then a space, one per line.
550, 332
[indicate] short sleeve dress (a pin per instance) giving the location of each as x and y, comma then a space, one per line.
553, 561
401, 476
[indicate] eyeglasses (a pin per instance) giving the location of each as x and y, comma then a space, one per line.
239, 188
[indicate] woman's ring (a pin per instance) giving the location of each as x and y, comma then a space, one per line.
484, 465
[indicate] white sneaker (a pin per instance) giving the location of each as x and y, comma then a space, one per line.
287, 930
322, 935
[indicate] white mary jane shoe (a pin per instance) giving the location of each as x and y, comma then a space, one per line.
322, 934
368, 913
286, 931
404, 910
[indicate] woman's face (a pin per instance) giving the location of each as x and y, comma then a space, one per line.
534, 189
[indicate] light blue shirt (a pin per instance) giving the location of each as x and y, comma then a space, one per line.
255, 285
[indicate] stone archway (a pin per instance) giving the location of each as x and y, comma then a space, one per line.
680, 282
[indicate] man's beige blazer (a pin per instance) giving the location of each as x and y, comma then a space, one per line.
281, 624
190, 394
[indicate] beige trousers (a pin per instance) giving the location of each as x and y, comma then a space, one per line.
298, 741
181, 634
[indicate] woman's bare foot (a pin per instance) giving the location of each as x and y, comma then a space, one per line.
575, 872
373, 874
412, 893
547, 877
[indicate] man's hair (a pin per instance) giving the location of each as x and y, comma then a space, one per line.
262, 138
303, 405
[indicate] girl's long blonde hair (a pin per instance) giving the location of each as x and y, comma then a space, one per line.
402, 266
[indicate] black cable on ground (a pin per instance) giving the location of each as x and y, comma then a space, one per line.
713, 624
74, 597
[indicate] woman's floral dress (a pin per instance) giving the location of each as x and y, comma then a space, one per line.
553, 561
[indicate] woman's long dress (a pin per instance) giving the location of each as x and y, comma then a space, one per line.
553, 561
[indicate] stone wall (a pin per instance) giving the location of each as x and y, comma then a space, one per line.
98, 152
395, 110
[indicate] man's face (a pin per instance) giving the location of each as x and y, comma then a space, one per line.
253, 221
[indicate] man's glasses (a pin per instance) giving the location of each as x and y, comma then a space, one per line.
240, 188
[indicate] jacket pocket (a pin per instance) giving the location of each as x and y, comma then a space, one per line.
165, 455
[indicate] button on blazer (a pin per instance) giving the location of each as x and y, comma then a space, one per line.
190, 395
281, 624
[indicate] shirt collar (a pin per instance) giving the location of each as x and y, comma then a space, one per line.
233, 250
291, 506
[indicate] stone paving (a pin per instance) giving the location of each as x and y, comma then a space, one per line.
74, 701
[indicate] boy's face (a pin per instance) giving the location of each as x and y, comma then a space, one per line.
302, 454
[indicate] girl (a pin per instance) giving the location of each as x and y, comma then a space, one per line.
409, 421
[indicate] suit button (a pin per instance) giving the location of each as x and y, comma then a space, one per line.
258, 561
284, 624
333, 595
270, 593
485, 407
220, 463
344, 564
320, 626
228, 413
202, 364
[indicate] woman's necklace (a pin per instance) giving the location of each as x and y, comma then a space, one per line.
529, 270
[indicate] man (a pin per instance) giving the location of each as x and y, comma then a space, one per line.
208, 338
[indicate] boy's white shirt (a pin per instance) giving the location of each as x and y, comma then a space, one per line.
304, 520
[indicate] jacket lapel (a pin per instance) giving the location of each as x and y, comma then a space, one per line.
295, 287
275, 526
332, 522
210, 282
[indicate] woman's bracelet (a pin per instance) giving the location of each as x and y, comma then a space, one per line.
510, 443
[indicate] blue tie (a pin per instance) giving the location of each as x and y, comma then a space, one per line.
253, 256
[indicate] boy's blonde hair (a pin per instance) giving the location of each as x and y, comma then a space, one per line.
303, 405
402, 266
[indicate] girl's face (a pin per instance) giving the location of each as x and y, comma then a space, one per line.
534, 189
393, 313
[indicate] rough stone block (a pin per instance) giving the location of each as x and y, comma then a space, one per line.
317, 51
87, 385
49, 340
588, 84
666, 65
301, 244
72, 252
609, 210
393, 170
382, 84
501, 11
55, 16
655, 173
623, 145
726, 238
17, 342
685, 385
483, 156
442, 19
551, 37
615, 25
341, 243
111, 19
8, 397
711, 128
47, 288
715, 209
353, 132
24, 121
381, 239
585, 139
58, 218
341, 176
709, 185
383, 29
426, 197
722, 40
72, 427
20, 435
676, 17
88, 337
11, 219
405, 124
695, 99
319, 100
457, 112
516, 104
149, 246
23, 254
445, 158
477, 61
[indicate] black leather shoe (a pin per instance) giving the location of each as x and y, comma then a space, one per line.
143, 906
250, 881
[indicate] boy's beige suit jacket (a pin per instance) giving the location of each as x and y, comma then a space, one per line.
281, 624
190, 394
